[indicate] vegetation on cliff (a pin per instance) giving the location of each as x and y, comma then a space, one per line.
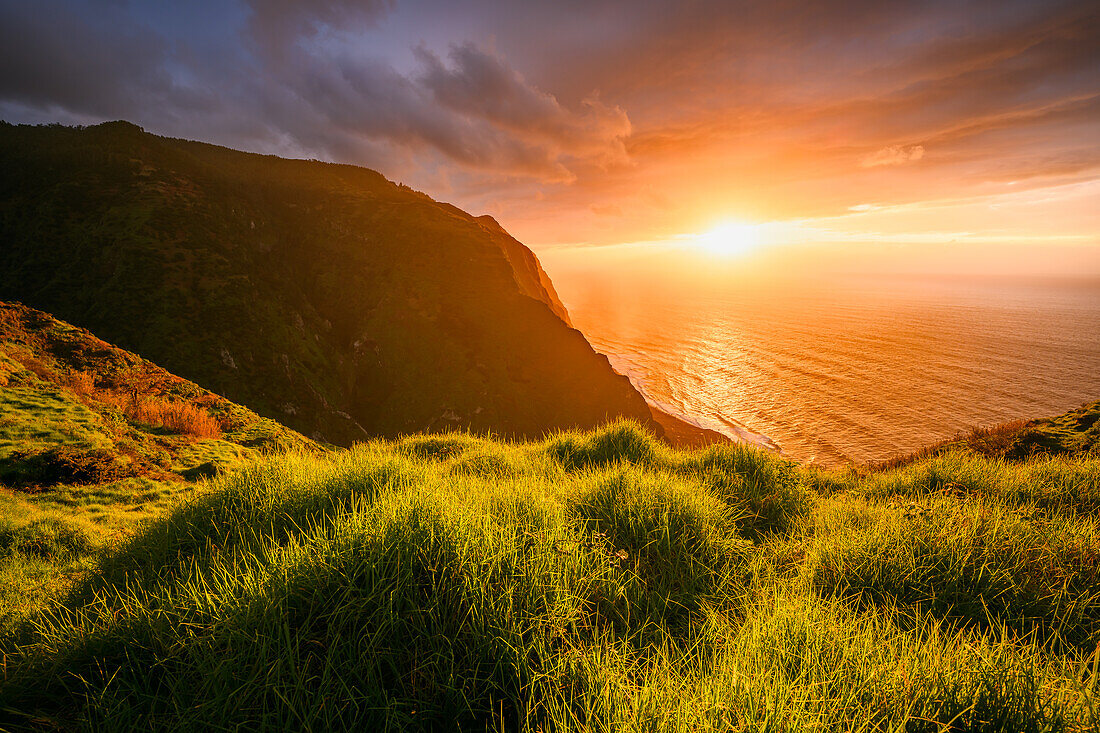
1076, 432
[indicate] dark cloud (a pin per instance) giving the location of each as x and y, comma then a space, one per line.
482, 86
275, 26
478, 114
298, 90
53, 56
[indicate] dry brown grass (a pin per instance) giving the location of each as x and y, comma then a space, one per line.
81, 383
9, 317
179, 417
33, 364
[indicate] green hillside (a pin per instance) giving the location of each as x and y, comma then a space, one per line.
323, 296
595, 581
94, 439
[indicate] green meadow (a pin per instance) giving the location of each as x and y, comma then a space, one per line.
593, 581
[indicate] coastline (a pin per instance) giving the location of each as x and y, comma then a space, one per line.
684, 431
679, 433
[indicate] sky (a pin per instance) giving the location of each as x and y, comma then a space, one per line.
968, 127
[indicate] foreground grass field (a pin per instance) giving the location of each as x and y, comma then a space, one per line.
594, 581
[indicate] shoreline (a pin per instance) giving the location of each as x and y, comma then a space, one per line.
679, 433
682, 431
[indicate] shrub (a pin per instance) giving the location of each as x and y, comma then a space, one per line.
64, 465
81, 383
35, 365
176, 416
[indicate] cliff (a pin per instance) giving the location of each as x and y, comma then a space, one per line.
322, 295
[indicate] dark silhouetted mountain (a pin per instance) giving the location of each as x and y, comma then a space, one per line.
323, 295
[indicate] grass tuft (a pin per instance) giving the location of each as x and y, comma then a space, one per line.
620, 441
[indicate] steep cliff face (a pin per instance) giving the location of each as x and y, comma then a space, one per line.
323, 295
530, 277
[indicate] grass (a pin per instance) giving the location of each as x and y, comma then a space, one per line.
46, 417
93, 439
592, 581
76, 410
1072, 433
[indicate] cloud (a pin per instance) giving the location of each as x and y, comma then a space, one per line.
477, 113
893, 155
51, 56
300, 82
275, 26
480, 86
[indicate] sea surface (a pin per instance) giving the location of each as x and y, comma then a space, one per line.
844, 368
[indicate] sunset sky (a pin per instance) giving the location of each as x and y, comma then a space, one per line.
897, 124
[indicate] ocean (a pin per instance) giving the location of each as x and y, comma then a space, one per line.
845, 367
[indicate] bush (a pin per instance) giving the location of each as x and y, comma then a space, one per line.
64, 465
81, 383
174, 415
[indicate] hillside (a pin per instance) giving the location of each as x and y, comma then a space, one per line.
592, 581
324, 296
94, 438
77, 410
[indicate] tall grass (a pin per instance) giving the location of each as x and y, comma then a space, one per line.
597, 582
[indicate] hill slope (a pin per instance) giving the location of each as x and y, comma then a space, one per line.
78, 411
1072, 433
321, 295
94, 439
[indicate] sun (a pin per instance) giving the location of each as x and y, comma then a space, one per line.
730, 239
